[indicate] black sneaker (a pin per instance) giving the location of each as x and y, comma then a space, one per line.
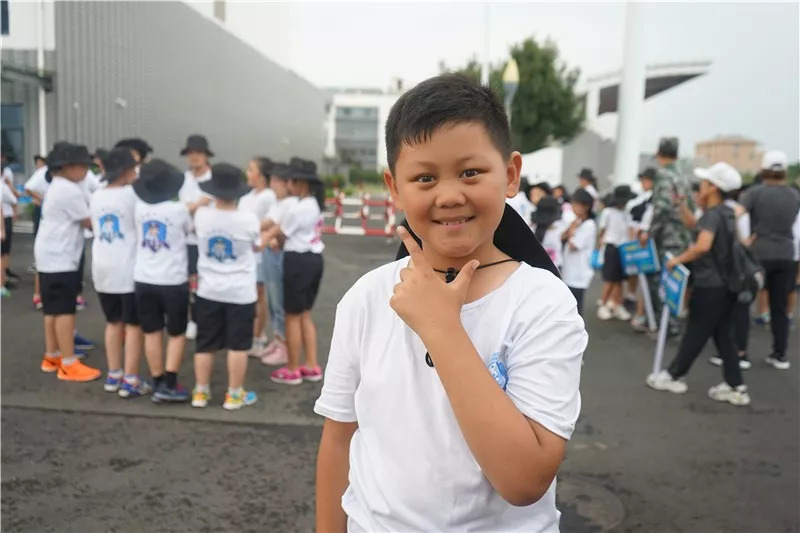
778, 360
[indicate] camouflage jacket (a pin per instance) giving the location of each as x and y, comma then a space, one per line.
667, 230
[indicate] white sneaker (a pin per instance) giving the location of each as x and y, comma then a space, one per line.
725, 393
664, 381
715, 360
778, 361
191, 330
256, 349
604, 313
620, 313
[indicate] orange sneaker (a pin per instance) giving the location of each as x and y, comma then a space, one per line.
51, 364
77, 371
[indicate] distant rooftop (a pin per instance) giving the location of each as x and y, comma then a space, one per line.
728, 138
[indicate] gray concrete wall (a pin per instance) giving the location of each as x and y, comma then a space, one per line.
588, 150
178, 73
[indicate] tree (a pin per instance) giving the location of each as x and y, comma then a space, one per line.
545, 108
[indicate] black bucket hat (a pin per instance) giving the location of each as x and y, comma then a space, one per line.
648, 173
302, 169
116, 162
69, 154
583, 197
226, 183
197, 143
158, 182
513, 237
281, 170
140, 146
547, 212
623, 194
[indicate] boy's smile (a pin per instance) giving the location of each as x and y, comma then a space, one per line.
452, 187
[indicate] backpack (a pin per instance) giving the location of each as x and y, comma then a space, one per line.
746, 276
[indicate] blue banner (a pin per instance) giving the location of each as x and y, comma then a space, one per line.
673, 286
638, 260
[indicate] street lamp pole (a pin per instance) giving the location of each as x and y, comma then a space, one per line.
510, 84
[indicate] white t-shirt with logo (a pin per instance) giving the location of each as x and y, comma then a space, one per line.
410, 467
59, 242
302, 226
226, 264
190, 192
114, 246
576, 270
9, 200
616, 224
161, 231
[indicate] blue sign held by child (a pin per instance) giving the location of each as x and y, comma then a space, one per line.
637, 259
673, 285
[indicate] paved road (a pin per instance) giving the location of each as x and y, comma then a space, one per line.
76, 459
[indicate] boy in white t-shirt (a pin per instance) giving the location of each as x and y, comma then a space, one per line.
161, 274
275, 353
113, 258
259, 200
57, 251
448, 406
224, 306
614, 230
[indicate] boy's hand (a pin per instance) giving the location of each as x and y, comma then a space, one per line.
422, 299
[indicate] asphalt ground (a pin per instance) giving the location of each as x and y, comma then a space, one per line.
76, 459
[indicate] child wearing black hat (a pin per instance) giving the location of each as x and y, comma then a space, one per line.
614, 230
161, 274
454, 373
224, 306
57, 250
579, 240
300, 231
113, 258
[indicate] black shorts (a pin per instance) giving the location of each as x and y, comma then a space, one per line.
222, 326
8, 225
59, 291
302, 273
154, 303
612, 265
193, 253
119, 308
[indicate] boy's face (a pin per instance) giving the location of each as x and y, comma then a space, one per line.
278, 186
196, 159
452, 188
74, 173
647, 184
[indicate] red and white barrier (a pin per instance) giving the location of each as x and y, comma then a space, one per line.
339, 202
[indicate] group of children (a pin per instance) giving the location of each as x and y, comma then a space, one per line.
209, 243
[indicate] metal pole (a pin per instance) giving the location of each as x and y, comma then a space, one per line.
631, 97
40, 70
485, 67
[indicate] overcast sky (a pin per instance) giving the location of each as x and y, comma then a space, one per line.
752, 88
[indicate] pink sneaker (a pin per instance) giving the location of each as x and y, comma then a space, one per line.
311, 374
277, 356
286, 376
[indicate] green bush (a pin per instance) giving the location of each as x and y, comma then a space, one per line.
367, 177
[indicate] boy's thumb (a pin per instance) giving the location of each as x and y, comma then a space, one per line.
464, 277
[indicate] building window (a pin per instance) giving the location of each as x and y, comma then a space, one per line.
4, 17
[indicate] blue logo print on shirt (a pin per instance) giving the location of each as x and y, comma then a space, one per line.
220, 248
155, 235
498, 370
109, 228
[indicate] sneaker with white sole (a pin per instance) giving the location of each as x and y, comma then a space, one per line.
778, 360
604, 313
620, 313
725, 393
191, 330
744, 362
200, 398
664, 381
235, 401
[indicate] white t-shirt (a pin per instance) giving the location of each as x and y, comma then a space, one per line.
647, 218
410, 467
114, 247
161, 231
59, 242
592, 191
37, 182
796, 234
616, 223
576, 270
190, 192
280, 208
522, 206
742, 221
226, 265
9, 200
552, 242
258, 203
302, 226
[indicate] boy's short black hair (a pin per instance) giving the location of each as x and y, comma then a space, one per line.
445, 100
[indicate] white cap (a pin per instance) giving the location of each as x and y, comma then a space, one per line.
722, 175
774, 160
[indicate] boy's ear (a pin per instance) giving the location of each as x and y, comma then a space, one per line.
513, 170
391, 184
